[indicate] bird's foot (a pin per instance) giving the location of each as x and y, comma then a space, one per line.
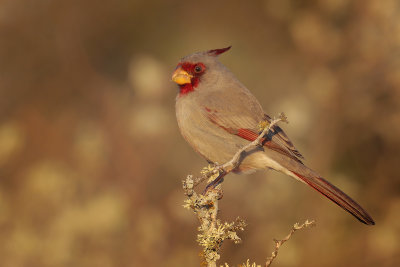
215, 180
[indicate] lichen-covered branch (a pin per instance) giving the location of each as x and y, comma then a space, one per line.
212, 232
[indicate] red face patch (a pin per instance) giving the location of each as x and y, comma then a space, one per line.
194, 69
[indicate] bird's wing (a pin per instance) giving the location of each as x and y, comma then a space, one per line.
243, 120
280, 137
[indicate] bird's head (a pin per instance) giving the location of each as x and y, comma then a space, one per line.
192, 69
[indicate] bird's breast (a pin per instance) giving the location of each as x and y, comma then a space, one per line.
208, 139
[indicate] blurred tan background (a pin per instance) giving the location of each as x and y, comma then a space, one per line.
91, 160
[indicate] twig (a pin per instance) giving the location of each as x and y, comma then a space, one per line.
234, 162
219, 171
279, 243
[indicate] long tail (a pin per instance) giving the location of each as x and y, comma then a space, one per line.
337, 196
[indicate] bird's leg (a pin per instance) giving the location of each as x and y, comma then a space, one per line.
216, 181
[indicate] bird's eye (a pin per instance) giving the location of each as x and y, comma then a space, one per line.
198, 69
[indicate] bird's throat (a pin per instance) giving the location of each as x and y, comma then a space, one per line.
188, 87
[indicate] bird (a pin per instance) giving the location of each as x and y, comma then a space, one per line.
217, 115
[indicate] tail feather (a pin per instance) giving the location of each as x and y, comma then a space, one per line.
337, 196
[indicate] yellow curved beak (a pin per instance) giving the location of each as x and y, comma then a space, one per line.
180, 76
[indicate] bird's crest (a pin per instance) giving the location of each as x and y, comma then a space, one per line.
216, 52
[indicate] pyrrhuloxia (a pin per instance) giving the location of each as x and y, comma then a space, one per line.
217, 115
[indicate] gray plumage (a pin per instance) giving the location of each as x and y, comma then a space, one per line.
217, 115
